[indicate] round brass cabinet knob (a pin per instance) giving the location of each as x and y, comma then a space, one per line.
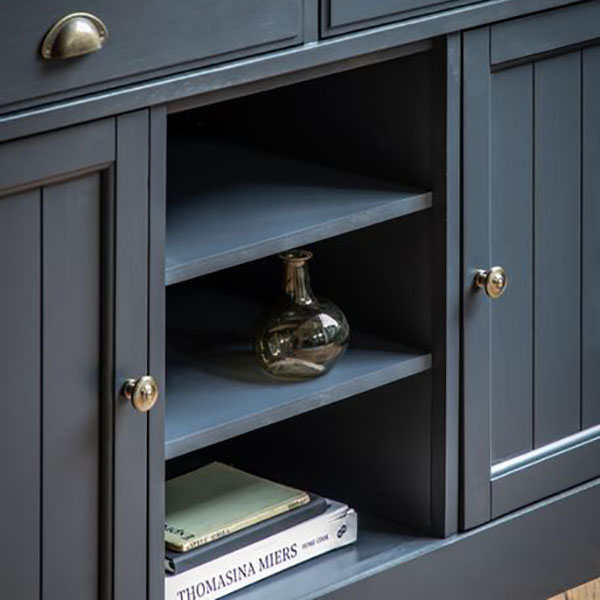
142, 392
493, 281
74, 35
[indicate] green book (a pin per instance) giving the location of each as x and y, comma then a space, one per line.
217, 500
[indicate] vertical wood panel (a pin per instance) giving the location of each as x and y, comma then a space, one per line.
557, 248
590, 342
156, 352
20, 407
446, 311
476, 307
131, 356
511, 231
71, 380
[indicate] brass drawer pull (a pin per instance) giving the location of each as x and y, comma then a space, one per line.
493, 281
74, 35
142, 392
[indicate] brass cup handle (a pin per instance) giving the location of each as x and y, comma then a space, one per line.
493, 281
74, 35
142, 392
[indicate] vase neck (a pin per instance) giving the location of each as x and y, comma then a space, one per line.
296, 282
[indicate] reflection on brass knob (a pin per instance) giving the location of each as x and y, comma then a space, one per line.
493, 281
74, 35
142, 392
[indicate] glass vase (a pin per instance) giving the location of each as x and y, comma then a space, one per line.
300, 336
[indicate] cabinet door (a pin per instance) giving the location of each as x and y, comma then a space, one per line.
73, 326
531, 198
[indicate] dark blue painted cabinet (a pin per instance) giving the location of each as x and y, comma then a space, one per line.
531, 192
73, 318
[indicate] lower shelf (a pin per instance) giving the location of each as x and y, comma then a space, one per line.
380, 544
213, 395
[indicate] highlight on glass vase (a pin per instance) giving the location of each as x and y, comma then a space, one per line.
301, 335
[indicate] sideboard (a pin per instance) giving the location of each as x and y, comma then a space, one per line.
439, 158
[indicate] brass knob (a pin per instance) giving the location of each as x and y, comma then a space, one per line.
142, 392
493, 281
74, 35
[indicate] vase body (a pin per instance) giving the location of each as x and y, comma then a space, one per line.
301, 335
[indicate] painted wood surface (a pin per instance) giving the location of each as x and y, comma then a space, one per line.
538, 125
590, 219
71, 315
20, 411
242, 204
210, 84
511, 182
167, 34
339, 16
57, 320
131, 357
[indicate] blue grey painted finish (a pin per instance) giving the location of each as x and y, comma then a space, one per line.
476, 366
511, 188
156, 350
20, 414
90, 146
142, 38
221, 392
70, 387
340, 16
545, 471
590, 256
59, 399
557, 248
390, 563
537, 34
445, 428
537, 182
233, 210
130, 531
241, 77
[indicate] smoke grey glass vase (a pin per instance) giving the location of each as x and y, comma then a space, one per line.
301, 336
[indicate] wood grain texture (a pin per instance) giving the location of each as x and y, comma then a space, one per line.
587, 591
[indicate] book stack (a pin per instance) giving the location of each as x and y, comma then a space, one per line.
227, 529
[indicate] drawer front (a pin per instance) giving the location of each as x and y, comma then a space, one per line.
151, 36
342, 16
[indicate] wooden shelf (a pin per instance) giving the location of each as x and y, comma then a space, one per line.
217, 393
380, 545
228, 205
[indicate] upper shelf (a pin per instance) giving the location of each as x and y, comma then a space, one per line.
228, 205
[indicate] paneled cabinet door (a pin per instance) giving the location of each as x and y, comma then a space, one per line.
73, 326
531, 197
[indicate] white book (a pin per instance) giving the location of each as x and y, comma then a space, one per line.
335, 528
